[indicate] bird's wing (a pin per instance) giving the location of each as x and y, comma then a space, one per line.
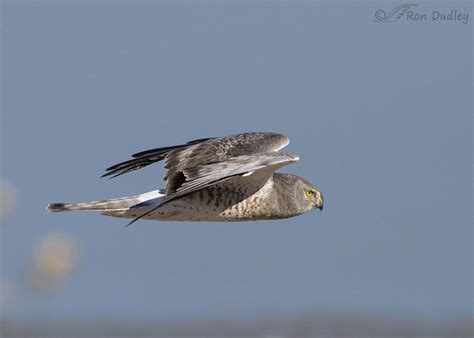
145, 158
204, 151
245, 166
206, 175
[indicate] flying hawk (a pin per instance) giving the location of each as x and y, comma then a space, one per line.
230, 178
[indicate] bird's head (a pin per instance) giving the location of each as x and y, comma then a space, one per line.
301, 195
310, 197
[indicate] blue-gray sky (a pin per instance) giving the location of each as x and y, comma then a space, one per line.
380, 114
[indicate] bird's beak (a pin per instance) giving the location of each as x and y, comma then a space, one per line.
319, 203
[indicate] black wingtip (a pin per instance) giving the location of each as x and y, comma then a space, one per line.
131, 222
56, 207
145, 158
114, 173
134, 220
141, 216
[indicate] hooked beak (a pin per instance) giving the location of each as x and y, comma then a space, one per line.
319, 203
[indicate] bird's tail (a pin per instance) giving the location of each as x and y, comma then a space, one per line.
114, 205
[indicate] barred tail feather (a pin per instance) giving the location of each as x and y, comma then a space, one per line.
115, 204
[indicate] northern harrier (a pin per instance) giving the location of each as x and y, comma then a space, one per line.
229, 178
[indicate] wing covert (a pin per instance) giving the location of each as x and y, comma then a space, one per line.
195, 153
246, 166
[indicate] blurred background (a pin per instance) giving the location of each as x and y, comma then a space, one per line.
379, 112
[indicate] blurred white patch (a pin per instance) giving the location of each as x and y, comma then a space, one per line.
53, 260
7, 199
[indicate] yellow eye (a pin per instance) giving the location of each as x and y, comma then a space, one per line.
310, 193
